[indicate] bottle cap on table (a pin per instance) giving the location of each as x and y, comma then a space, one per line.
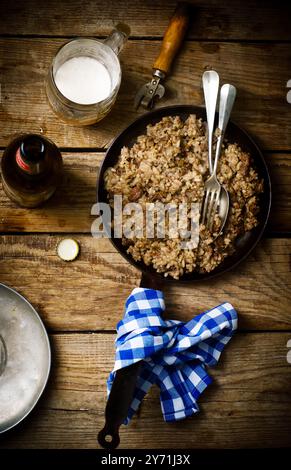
68, 249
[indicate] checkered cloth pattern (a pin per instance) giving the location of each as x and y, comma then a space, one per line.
174, 354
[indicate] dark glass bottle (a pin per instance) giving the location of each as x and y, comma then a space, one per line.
31, 170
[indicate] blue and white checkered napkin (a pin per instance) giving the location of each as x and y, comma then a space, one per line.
174, 353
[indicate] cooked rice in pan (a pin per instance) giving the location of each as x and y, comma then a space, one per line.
170, 164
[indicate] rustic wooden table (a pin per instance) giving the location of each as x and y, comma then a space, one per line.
249, 404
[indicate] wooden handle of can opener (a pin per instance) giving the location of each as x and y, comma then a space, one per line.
122, 391
173, 37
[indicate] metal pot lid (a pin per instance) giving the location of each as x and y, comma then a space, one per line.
25, 357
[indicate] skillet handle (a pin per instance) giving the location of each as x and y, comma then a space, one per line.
123, 387
118, 404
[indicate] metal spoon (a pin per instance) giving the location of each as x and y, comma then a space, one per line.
210, 82
227, 98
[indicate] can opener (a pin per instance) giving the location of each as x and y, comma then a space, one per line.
173, 37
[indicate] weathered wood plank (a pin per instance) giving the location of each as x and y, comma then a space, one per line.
89, 293
214, 19
280, 172
248, 404
70, 208
260, 72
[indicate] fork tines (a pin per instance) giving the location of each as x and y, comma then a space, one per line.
209, 206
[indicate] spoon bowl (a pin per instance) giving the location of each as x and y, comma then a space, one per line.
223, 208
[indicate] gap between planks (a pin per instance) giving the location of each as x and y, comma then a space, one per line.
147, 38
52, 332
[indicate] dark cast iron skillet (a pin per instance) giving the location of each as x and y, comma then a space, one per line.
123, 386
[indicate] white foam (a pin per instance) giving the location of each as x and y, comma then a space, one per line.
83, 80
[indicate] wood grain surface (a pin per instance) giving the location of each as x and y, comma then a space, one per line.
259, 71
148, 18
247, 405
248, 43
259, 288
70, 210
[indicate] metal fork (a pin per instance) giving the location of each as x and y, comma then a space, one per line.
212, 186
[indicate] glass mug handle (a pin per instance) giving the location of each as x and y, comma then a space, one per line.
3, 355
118, 37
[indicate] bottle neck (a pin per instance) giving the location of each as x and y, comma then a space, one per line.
29, 167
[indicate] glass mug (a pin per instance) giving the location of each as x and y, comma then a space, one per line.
105, 53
